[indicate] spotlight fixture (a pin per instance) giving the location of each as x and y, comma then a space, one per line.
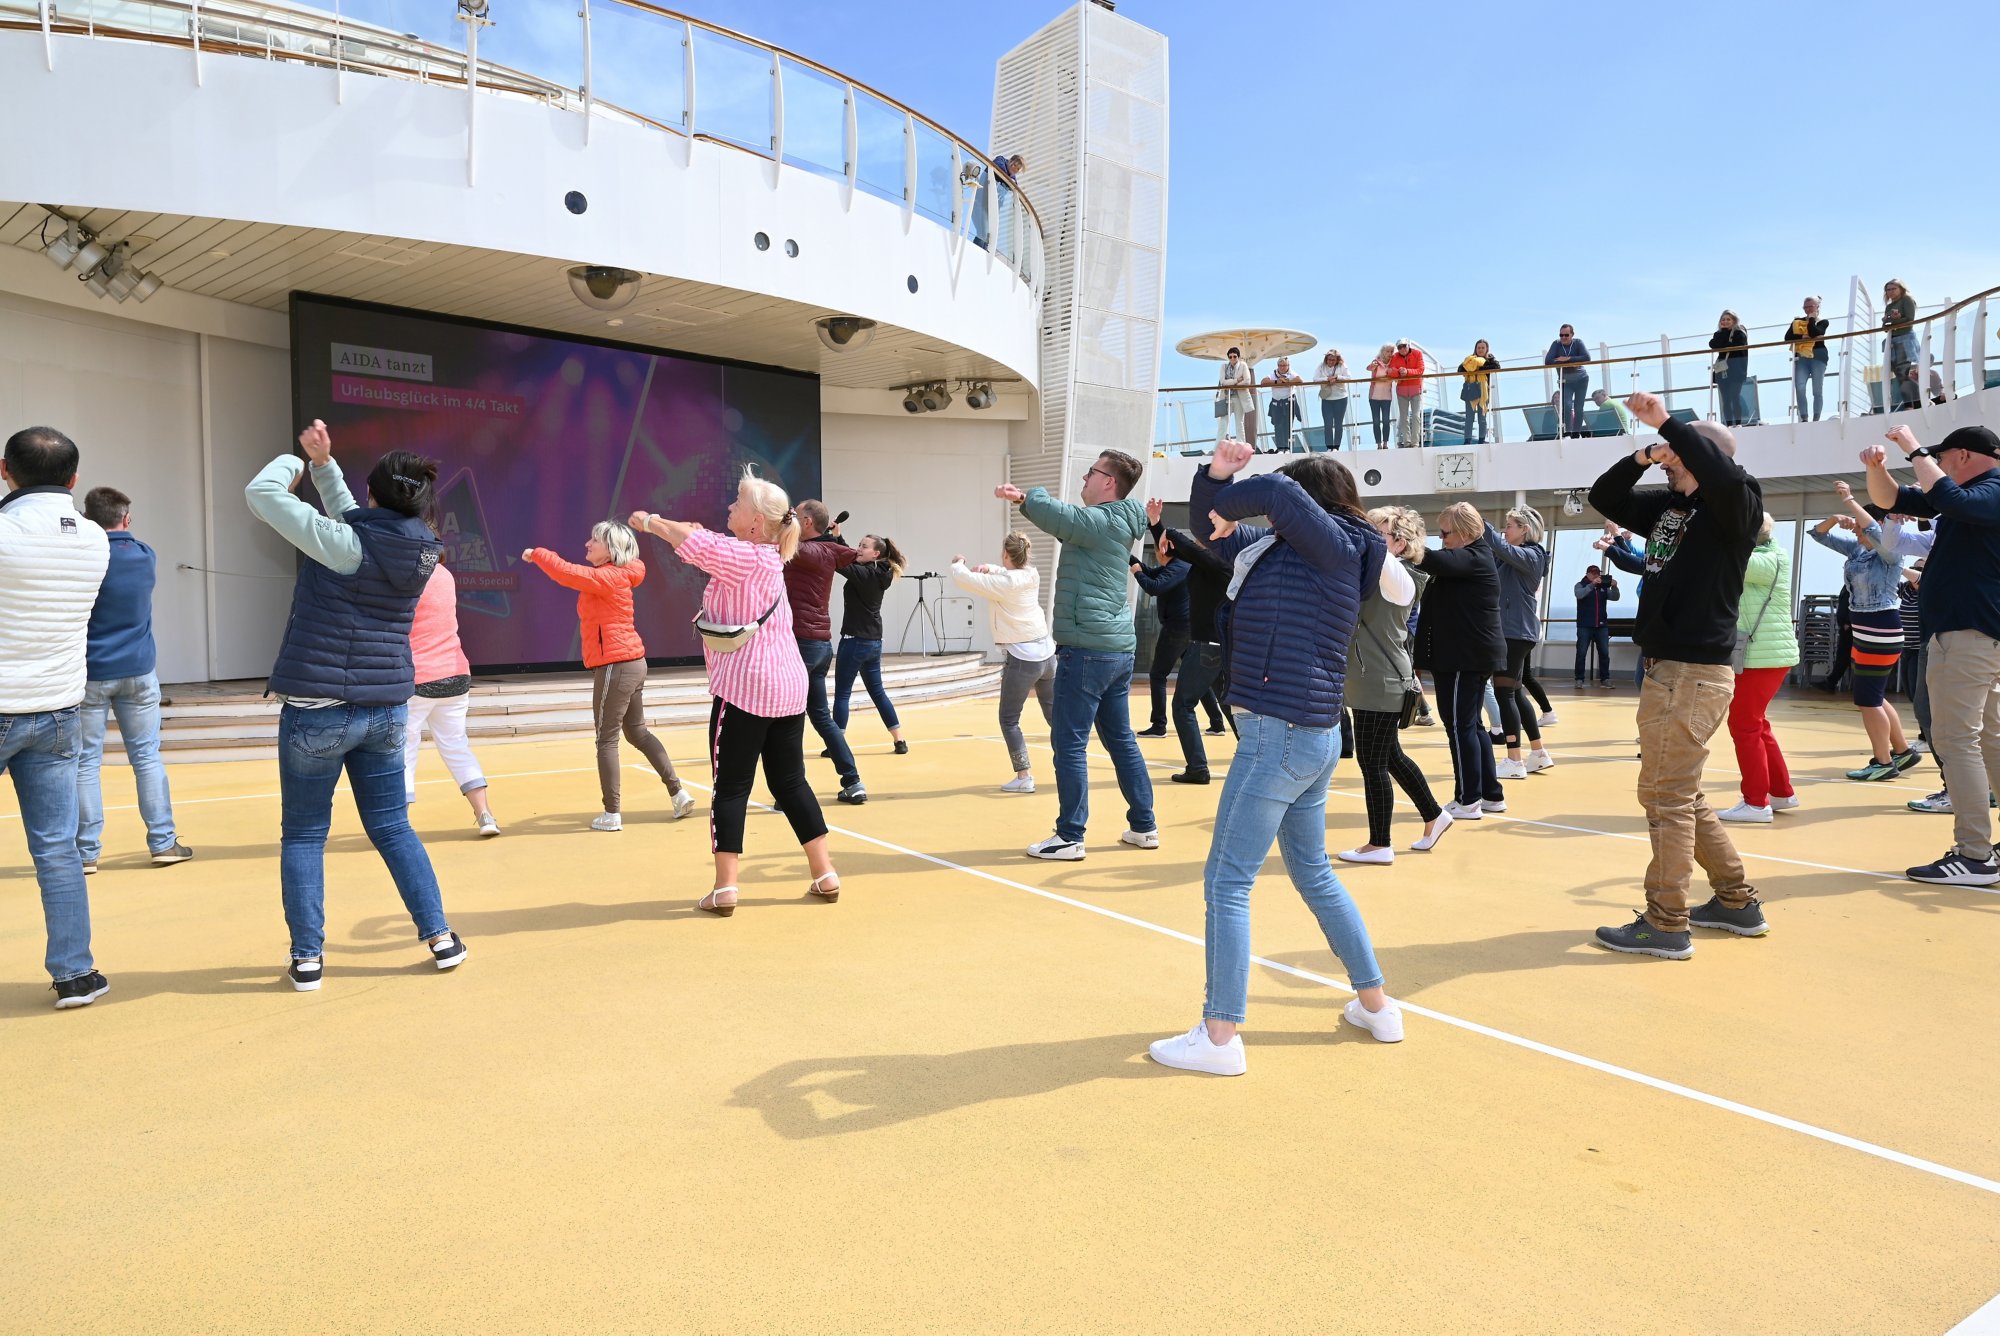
147, 285
107, 270
844, 333
603, 286
980, 396
935, 397
912, 404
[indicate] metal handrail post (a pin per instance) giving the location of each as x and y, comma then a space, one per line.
584, 14
777, 142
851, 146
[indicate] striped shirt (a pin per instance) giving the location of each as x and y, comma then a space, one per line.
766, 677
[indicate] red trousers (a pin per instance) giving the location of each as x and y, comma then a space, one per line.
1757, 754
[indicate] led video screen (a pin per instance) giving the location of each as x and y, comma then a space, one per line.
538, 437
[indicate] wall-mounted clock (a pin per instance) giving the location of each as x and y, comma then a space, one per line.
1455, 472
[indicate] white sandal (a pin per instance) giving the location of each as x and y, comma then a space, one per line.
708, 904
828, 896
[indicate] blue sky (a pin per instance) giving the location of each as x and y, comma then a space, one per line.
1457, 171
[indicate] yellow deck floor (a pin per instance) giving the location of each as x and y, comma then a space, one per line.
928, 1108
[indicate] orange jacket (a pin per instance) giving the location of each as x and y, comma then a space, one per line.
1408, 369
603, 605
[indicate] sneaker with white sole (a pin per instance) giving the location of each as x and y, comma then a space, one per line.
305, 975
608, 821
1196, 1052
1539, 759
448, 951
1784, 802
1367, 855
683, 804
489, 826
176, 853
1548, 720
1141, 839
1957, 869
1425, 843
1464, 811
1919, 747
1509, 768
1938, 803
1744, 812
1019, 784
80, 991
1386, 1025
1057, 850
1493, 805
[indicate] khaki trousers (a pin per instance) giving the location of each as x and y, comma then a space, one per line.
1681, 705
1963, 678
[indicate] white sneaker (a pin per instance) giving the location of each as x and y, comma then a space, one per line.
607, 821
683, 804
1194, 1052
1370, 856
1920, 747
1509, 768
1141, 839
1493, 805
1464, 811
1539, 759
1386, 1024
1427, 842
1784, 804
1019, 784
1745, 812
488, 826
1057, 849
1548, 720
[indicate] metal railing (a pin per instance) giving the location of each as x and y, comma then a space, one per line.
1942, 356
627, 60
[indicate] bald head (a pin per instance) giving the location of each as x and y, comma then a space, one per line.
1723, 438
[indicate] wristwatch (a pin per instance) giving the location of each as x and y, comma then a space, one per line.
1921, 452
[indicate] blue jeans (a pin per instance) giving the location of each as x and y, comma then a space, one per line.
1276, 790
137, 703
314, 748
40, 751
1804, 371
1600, 636
818, 655
1574, 388
1733, 401
864, 657
1475, 425
1333, 412
1093, 688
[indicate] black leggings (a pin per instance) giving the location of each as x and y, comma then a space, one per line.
1382, 759
737, 739
1516, 714
1533, 685
1459, 696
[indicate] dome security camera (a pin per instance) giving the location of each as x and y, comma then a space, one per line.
604, 287
844, 333
1573, 504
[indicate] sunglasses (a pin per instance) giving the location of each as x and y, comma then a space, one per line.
1099, 472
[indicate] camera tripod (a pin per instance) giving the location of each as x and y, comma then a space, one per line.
929, 616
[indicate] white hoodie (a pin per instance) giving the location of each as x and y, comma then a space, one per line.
1014, 598
52, 561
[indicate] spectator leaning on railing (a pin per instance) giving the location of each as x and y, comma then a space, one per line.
1406, 365
1569, 355
1958, 484
1381, 389
1332, 396
1732, 368
1477, 391
1807, 335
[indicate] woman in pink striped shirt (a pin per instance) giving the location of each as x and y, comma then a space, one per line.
760, 687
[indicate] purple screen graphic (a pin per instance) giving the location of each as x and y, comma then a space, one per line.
538, 437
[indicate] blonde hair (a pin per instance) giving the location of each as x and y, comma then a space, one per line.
1014, 548
1462, 519
1529, 519
773, 507
617, 540
1388, 350
1402, 522
1733, 316
1899, 285
1764, 533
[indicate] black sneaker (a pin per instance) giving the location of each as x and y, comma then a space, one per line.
853, 795
1904, 760
902, 748
180, 853
304, 975
1217, 729
1745, 922
448, 951
1957, 869
80, 991
1190, 777
1156, 731
826, 755
1641, 938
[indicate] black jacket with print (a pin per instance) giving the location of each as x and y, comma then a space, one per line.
1696, 546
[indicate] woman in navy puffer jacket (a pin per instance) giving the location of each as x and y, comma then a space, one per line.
1298, 590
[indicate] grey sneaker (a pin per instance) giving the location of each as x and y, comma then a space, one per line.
1641, 938
180, 853
1745, 922
1937, 802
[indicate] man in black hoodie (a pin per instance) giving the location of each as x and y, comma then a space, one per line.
1699, 531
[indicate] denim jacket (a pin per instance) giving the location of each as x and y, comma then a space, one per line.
1871, 577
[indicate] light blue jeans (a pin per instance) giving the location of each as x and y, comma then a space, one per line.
1276, 790
136, 701
1094, 689
39, 751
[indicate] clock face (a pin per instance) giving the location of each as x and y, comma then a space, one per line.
1454, 472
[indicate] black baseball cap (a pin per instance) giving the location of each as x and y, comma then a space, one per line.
1979, 440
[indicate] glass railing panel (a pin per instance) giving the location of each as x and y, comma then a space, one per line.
880, 165
815, 120
638, 62
732, 91
936, 186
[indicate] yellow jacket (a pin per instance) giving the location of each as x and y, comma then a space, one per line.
1475, 376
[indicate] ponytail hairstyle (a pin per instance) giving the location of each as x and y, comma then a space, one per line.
890, 553
404, 482
781, 522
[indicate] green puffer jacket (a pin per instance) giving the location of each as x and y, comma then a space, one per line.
1776, 643
1092, 576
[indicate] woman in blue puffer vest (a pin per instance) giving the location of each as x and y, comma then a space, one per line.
1298, 590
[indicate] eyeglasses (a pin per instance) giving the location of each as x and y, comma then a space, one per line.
1099, 472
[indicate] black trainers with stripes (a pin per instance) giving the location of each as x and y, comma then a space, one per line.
448, 951
1957, 869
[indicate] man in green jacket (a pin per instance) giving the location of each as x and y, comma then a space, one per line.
1094, 647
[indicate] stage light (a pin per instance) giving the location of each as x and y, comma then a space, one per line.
912, 404
981, 396
935, 397
147, 285
69, 243
844, 333
603, 286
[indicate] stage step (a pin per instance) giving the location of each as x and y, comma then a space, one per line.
234, 721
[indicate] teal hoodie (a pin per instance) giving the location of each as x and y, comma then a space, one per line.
1092, 611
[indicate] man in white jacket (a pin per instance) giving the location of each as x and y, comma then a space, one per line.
52, 561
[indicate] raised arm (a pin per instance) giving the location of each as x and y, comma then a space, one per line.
1527, 560
571, 575
1085, 526
1822, 533
1158, 580
271, 497
987, 584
